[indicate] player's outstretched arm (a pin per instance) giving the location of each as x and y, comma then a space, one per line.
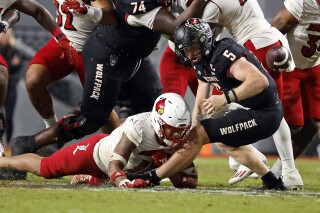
37, 11
118, 161
284, 21
166, 23
253, 81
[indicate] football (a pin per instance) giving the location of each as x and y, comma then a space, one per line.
278, 58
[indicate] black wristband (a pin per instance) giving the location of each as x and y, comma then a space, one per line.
226, 94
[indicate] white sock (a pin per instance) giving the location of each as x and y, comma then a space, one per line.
49, 122
282, 141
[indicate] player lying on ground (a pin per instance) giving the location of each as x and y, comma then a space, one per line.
237, 72
142, 143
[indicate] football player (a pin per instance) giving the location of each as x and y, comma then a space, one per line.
246, 23
9, 15
242, 78
300, 20
142, 143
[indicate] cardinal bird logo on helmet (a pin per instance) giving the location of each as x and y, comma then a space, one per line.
160, 106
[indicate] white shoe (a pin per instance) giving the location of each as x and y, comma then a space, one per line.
292, 180
242, 173
254, 175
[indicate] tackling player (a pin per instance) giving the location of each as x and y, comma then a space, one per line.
300, 20
142, 143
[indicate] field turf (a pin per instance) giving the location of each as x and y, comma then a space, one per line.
214, 194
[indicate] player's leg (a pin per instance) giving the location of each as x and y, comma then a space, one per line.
45, 68
37, 80
27, 162
311, 110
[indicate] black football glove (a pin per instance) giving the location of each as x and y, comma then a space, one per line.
151, 176
4, 26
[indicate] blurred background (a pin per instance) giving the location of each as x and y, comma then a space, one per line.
30, 37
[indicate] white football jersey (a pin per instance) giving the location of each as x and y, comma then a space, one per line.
139, 130
75, 27
304, 39
5, 4
243, 19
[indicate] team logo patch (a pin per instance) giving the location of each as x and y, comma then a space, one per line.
160, 106
113, 60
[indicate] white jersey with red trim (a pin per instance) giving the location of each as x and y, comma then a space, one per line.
74, 26
304, 39
139, 130
5, 4
243, 19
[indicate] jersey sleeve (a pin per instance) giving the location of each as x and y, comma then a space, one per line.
144, 19
133, 128
295, 7
226, 53
211, 13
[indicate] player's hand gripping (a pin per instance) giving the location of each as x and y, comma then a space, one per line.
76, 6
137, 183
4, 26
214, 104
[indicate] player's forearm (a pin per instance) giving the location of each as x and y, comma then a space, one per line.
11, 17
38, 12
180, 159
252, 86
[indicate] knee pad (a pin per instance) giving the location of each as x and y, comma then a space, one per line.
2, 123
74, 127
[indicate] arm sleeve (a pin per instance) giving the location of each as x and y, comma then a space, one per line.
211, 13
144, 19
294, 7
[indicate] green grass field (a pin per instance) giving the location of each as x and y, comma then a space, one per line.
214, 194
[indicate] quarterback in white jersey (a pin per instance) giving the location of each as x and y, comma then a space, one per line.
300, 21
141, 144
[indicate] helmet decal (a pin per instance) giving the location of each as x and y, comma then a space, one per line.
159, 106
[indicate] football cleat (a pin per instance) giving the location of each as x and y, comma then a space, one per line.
86, 179
278, 185
292, 180
242, 173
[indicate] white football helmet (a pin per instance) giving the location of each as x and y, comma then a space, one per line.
171, 119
